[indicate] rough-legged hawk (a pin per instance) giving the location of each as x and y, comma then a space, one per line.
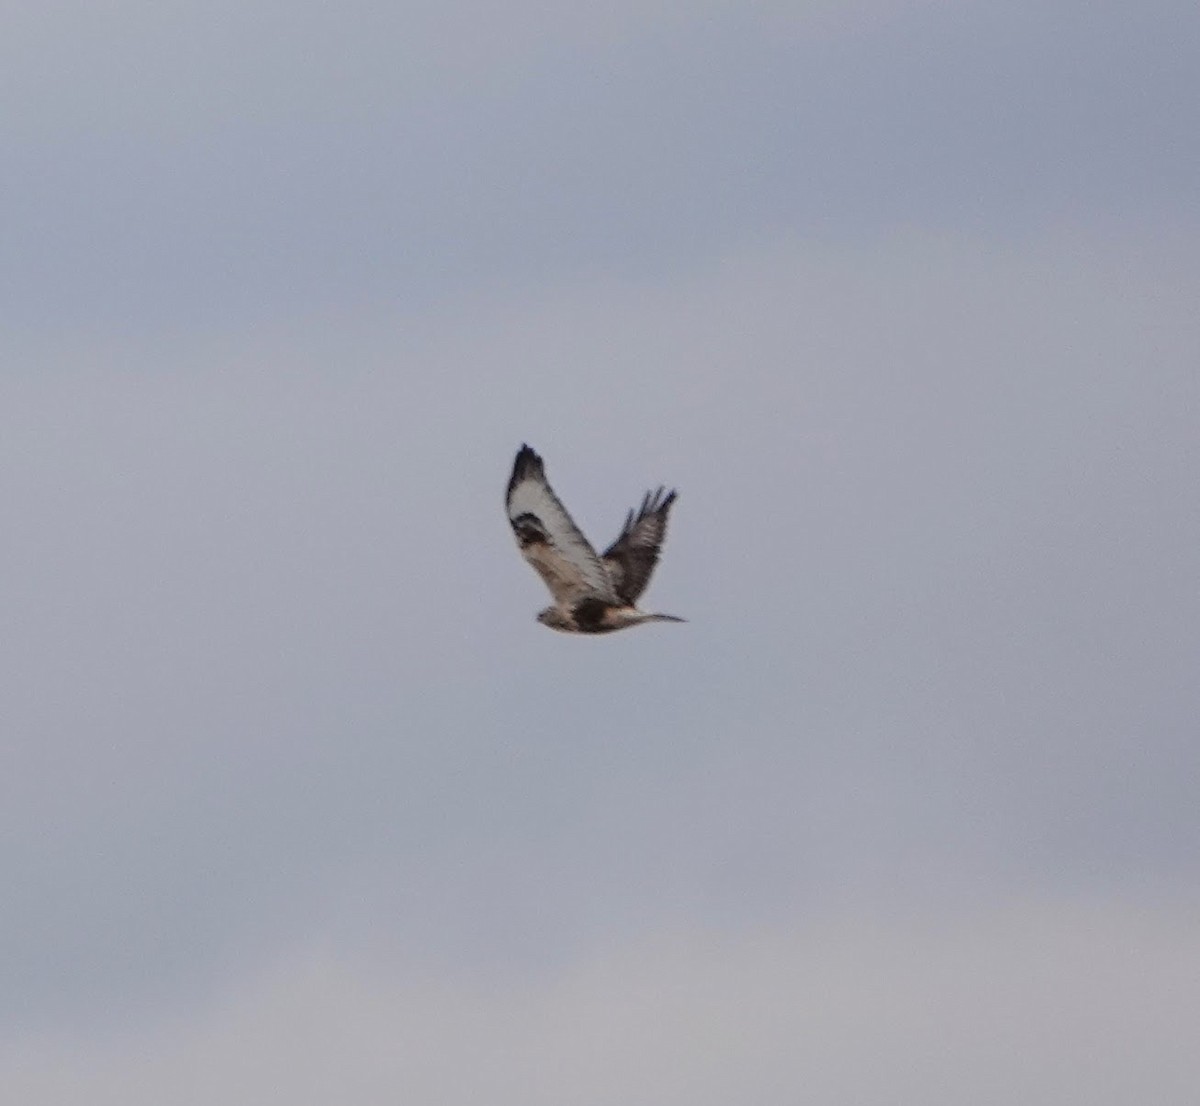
592, 595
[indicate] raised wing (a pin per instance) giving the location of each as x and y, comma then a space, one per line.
549, 539
630, 560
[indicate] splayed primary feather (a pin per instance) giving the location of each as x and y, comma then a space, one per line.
630, 560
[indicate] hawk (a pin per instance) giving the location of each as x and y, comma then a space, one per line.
592, 595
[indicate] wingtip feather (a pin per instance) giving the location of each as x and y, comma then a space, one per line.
657, 502
527, 455
527, 464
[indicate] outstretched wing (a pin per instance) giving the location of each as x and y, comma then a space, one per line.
630, 560
549, 539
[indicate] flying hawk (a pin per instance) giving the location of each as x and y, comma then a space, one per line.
592, 595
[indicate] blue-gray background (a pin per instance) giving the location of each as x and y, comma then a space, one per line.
300, 805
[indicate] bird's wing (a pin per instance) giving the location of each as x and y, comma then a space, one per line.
549, 539
630, 560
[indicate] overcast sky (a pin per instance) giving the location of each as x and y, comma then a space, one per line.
300, 804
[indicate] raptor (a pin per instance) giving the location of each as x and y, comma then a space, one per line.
592, 594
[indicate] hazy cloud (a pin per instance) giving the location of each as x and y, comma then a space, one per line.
1041, 1001
296, 793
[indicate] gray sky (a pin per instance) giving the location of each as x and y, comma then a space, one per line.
300, 804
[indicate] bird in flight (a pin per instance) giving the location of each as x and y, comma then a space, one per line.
592, 594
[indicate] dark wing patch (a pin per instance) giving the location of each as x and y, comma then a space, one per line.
630, 560
549, 539
529, 530
527, 466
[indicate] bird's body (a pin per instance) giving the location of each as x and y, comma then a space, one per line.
592, 594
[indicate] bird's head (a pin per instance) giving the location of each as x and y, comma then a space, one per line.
555, 619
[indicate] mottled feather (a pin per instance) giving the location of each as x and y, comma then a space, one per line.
630, 559
549, 539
